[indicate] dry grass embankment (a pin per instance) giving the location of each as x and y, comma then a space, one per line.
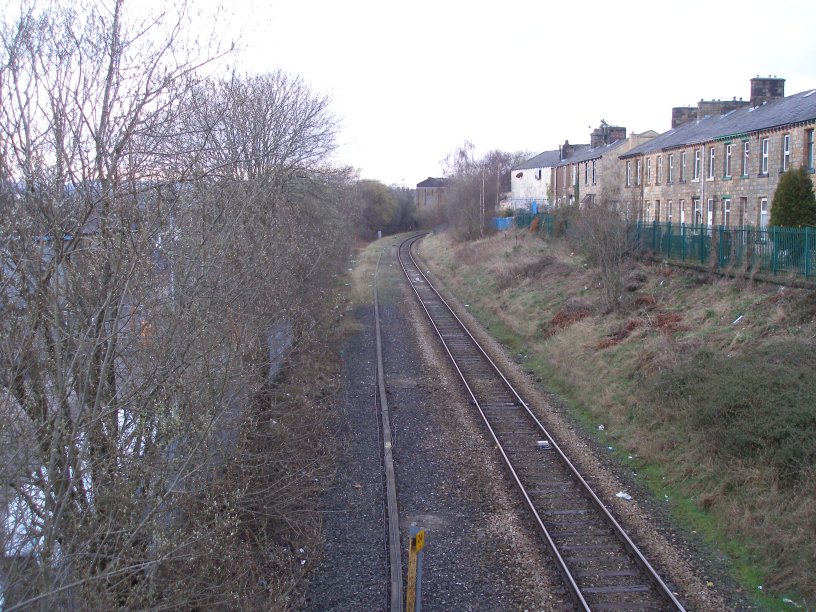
705, 386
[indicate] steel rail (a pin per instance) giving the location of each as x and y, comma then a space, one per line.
618, 531
393, 527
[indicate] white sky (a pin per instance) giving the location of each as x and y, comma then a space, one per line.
413, 80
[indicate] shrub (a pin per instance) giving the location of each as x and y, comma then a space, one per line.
756, 408
794, 203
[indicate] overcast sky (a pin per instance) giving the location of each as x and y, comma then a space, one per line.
413, 80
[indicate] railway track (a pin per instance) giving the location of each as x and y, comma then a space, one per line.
601, 566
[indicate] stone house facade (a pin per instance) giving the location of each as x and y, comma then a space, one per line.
430, 193
598, 171
723, 169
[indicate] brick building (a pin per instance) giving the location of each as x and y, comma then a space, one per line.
430, 193
587, 173
723, 168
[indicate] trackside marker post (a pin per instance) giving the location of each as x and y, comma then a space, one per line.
416, 542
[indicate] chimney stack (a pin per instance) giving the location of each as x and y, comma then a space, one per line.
766, 89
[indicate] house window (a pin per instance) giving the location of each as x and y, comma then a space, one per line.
683, 167
809, 149
637, 171
697, 214
711, 163
763, 213
586, 173
764, 165
657, 211
628, 173
726, 212
574, 174
743, 205
671, 168
727, 173
669, 211
649, 170
745, 150
697, 159
710, 216
659, 169
785, 152
647, 215
538, 174
682, 208
593, 171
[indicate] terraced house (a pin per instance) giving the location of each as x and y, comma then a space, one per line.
588, 172
722, 166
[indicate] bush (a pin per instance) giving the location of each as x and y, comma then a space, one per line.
756, 407
794, 203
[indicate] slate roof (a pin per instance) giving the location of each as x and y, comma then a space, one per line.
798, 108
433, 182
547, 159
587, 153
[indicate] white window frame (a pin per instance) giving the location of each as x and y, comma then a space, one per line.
764, 215
637, 172
670, 178
682, 205
765, 150
628, 173
726, 212
659, 176
786, 152
728, 150
683, 167
710, 212
711, 161
669, 211
746, 150
809, 146
593, 171
586, 173
648, 170
697, 161
697, 212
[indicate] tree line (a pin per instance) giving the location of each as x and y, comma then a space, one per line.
166, 237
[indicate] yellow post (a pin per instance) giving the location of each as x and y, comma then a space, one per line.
416, 541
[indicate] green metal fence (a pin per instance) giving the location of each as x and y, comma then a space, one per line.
772, 250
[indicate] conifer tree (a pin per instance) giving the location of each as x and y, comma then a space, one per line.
794, 203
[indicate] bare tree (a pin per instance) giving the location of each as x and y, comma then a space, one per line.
475, 188
147, 277
602, 230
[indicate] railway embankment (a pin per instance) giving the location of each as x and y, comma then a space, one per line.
700, 387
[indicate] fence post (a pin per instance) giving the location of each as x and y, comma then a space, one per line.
703, 234
720, 246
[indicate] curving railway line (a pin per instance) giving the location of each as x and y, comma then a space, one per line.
601, 566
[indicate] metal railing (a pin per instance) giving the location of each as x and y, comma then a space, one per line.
771, 250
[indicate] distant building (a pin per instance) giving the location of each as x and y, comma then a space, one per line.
430, 193
530, 182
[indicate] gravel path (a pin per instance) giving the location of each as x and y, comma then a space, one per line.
351, 574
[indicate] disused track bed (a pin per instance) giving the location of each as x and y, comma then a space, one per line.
601, 566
